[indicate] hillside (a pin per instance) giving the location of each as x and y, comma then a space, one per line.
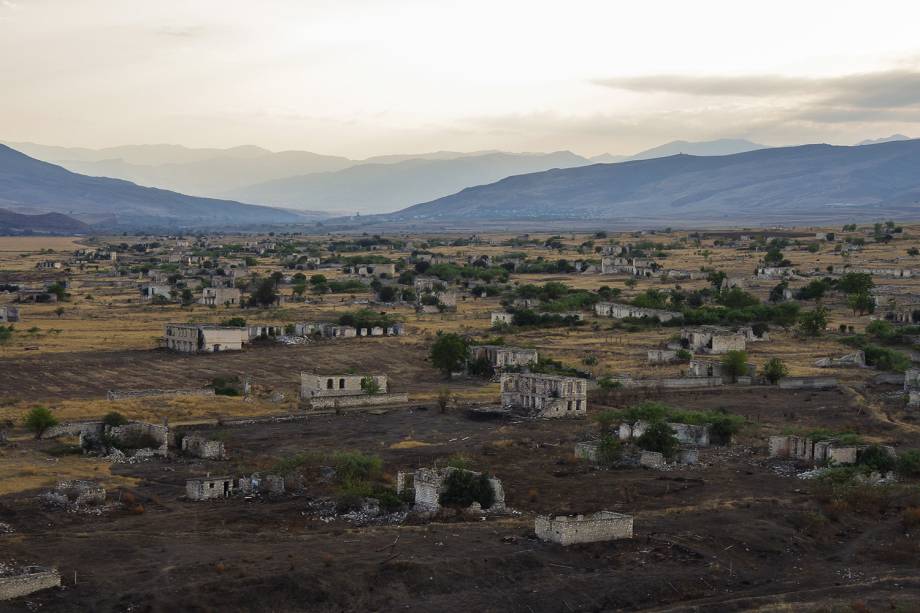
30, 186
385, 187
783, 185
48, 223
722, 146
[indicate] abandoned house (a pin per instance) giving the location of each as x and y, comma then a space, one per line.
501, 318
661, 356
9, 314
713, 368
428, 484
151, 292
339, 391
220, 296
710, 339
545, 395
616, 310
569, 530
686, 434
201, 447
817, 451
204, 338
208, 488
500, 357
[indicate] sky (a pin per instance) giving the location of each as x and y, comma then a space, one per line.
370, 77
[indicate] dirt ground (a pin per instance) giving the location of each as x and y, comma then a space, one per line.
729, 535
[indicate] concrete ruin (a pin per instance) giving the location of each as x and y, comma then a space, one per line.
209, 488
713, 340
203, 338
815, 451
257, 483
713, 368
18, 582
662, 356
500, 357
9, 314
616, 310
343, 391
428, 484
76, 494
545, 395
851, 360
807, 383
201, 447
686, 434
912, 386
501, 318
569, 530
220, 296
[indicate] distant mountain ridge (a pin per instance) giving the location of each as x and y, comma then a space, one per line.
722, 146
48, 223
381, 187
30, 186
782, 184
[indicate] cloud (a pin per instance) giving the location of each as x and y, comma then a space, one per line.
744, 86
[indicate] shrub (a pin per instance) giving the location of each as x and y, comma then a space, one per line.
370, 386
659, 437
114, 418
647, 411
909, 463
735, 364
605, 419
609, 451
40, 419
607, 384
459, 461
774, 370
462, 488
876, 457
355, 467
683, 355
234, 322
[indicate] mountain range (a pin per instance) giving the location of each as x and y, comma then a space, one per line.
29, 186
779, 185
48, 223
306, 180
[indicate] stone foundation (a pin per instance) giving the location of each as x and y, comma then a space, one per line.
567, 530
362, 400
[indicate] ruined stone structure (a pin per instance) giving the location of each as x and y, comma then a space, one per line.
135, 430
341, 391
686, 434
203, 338
912, 386
569, 530
76, 494
501, 318
9, 314
651, 459
545, 395
712, 368
586, 450
220, 296
817, 451
204, 448
149, 292
500, 357
807, 383
123, 394
208, 488
617, 310
851, 360
28, 580
258, 483
710, 339
429, 483
662, 356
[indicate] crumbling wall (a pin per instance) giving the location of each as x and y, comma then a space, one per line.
27, 581
567, 530
123, 394
586, 451
201, 447
124, 433
361, 400
807, 383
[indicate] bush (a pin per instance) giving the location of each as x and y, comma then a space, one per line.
114, 418
659, 437
877, 458
355, 467
774, 370
735, 364
40, 419
683, 355
909, 463
605, 419
609, 451
234, 322
462, 488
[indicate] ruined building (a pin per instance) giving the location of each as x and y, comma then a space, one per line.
545, 395
204, 338
500, 357
340, 391
569, 530
428, 485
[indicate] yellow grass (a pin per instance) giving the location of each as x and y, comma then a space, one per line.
409, 444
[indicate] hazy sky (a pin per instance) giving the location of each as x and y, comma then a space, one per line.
365, 77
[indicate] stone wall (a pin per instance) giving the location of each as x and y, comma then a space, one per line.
122, 394
362, 400
807, 383
160, 434
586, 451
601, 526
208, 488
201, 447
30, 579
74, 428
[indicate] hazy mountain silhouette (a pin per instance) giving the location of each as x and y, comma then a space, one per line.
783, 184
382, 187
722, 146
888, 139
31, 186
48, 223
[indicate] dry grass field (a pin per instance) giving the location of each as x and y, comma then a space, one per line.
735, 533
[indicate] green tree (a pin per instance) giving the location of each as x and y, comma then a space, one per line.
449, 352
774, 370
6, 333
265, 294
59, 311
734, 364
444, 398
187, 297
659, 437
861, 303
114, 418
813, 323
370, 386
40, 419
